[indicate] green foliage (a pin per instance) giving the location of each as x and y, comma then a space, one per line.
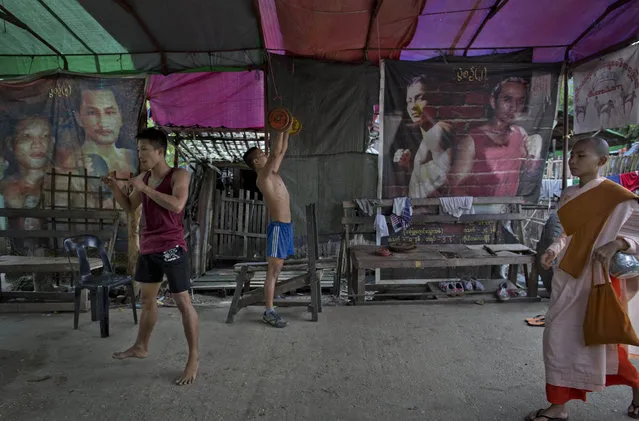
631, 132
571, 96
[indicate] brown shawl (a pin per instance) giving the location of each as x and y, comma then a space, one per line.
584, 217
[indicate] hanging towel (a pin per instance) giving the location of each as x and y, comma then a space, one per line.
368, 206
630, 180
550, 189
457, 206
402, 213
615, 178
381, 227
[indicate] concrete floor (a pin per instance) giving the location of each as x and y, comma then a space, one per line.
380, 362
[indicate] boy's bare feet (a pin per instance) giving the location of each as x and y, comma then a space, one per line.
133, 352
190, 373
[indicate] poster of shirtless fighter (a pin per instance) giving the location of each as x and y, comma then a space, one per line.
466, 129
66, 123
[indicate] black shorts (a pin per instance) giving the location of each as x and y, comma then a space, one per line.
173, 263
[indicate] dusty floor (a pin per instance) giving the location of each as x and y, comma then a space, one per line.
380, 362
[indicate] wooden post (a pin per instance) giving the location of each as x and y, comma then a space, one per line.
564, 175
133, 246
177, 153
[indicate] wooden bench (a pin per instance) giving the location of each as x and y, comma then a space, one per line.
45, 254
312, 269
426, 211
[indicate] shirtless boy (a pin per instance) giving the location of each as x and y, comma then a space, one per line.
279, 243
162, 192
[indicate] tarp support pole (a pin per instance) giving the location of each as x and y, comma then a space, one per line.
267, 71
377, 4
564, 172
266, 68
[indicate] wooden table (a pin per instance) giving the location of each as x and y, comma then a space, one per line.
32, 301
434, 256
9, 264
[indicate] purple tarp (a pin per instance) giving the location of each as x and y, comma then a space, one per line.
234, 100
443, 27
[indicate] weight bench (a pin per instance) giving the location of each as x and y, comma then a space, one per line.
244, 297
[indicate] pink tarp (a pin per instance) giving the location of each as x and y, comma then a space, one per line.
234, 100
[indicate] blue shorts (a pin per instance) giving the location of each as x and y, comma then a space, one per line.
279, 240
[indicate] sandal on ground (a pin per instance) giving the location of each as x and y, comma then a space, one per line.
633, 411
539, 320
478, 286
539, 414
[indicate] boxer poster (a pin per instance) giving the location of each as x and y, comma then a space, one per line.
68, 123
466, 128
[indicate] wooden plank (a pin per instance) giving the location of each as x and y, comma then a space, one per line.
300, 267
41, 300
39, 307
59, 213
257, 296
234, 210
216, 226
30, 295
246, 229
496, 248
288, 264
350, 204
53, 233
234, 228
222, 249
368, 260
241, 233
9, 264
416, 219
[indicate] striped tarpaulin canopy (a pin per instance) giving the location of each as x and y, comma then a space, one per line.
164, 36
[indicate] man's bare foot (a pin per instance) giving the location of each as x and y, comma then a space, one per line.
190, 373
133, 352
548, 414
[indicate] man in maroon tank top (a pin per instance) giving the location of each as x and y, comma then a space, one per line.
162, 191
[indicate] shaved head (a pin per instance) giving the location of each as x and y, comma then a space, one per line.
599, 146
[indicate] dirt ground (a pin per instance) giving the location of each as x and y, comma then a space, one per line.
377, 362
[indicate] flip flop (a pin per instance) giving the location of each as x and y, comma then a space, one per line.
633, 411
539, 320
539, 414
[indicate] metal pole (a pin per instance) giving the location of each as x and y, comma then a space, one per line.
564, 175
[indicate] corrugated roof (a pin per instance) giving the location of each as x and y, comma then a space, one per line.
216, 147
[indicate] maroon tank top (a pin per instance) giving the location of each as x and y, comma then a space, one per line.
161, 229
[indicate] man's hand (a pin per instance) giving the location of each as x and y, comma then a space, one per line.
137, 182
605, 253
109, 180
547, 258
